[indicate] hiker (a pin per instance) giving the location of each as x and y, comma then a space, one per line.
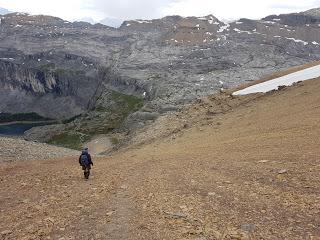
85, 162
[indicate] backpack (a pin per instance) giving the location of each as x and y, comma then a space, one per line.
84, 160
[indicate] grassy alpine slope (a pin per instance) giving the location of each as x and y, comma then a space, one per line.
249, 172
110, 112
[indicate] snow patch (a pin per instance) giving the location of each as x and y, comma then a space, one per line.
298, 41
224, 27
211, 21
22, 14
141, 21
7, 58
269, 22
315, 43
240, 31
287, 80
239, 22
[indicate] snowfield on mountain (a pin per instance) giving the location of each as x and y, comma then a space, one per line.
287, 80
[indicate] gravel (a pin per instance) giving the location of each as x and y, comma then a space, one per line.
15, 149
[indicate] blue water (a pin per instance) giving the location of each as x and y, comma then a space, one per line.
17, 129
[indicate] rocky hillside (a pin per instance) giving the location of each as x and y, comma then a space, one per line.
241, 168
15, 149
313, 12
163, 63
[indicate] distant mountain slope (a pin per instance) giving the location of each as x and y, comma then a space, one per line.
313, 12
75, 68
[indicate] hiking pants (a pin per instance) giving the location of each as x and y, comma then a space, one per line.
86, 171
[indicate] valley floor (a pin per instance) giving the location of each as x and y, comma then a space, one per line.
249, 173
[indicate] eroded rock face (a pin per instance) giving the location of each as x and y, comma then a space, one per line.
59, 69
28, 85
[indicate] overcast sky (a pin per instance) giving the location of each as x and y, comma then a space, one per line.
148, 9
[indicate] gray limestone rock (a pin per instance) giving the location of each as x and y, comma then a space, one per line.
60, 69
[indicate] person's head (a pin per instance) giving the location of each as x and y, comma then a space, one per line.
85, 150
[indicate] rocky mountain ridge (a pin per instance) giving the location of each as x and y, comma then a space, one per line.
75, 68
313, 12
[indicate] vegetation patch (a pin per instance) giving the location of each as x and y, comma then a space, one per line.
73, 140
109, 113
20, 117
69, 120
114, 141
60, 71
126, 103
47, 67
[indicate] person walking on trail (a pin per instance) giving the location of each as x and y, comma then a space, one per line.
85, 162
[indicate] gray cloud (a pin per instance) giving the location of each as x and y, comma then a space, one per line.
128, 9
287, 4
149, 9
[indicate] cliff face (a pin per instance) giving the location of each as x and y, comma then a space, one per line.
55, 88
59, 69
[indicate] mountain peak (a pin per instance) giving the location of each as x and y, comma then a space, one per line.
21, 19
313, 12
4, 11
169, 23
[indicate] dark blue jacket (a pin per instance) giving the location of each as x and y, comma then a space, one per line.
89, 157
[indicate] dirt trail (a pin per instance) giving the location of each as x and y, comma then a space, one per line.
99, 144
251, 172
